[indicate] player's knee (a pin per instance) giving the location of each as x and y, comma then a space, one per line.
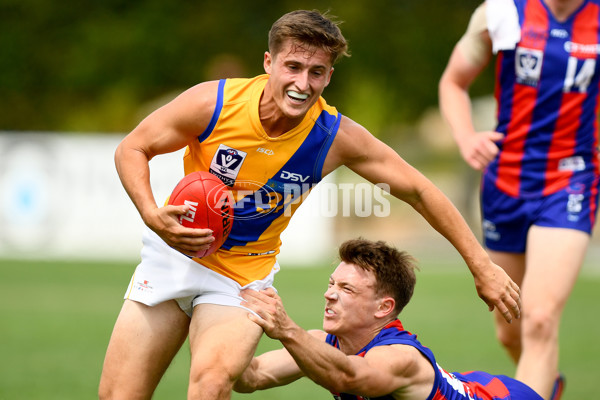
106, 392
111, 390
213, 383
540, 324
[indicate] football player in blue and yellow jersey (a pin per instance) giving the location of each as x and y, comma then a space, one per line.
269, 138
541, 179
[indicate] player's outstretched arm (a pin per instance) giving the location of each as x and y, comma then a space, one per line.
166, 130
381, 371
270, 369
356, 148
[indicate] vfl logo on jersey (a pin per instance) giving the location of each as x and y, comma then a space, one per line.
226, 163
528, 66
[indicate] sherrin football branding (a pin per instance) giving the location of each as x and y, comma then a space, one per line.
191, 214
208, 201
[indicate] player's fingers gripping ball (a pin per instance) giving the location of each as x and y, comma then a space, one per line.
210, 206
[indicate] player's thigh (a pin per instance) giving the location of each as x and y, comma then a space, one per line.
554, 259
512, 263
143, 343
222, 338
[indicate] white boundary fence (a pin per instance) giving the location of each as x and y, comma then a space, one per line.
60, 197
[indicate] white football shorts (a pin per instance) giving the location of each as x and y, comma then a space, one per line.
166, 274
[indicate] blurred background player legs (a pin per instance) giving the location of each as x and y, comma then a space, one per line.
554, 259
509, 335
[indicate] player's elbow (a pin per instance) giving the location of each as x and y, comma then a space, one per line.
443, 83
132, 149
122, 152
118, 154
446, 81
354, 386
247, 382
242, 386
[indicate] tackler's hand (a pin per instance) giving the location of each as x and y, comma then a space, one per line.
272, 316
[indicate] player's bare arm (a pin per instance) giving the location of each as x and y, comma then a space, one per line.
271, 369
372, 159
167, 129
383, 370
470, 56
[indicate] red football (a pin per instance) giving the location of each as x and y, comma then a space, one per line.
210, 206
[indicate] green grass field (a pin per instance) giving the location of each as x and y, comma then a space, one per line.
56, 319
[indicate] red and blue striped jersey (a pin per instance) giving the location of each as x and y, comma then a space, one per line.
475, 385
547, 94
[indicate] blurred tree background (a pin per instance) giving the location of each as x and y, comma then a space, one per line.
101, 66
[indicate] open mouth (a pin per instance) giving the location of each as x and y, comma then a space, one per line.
297, 96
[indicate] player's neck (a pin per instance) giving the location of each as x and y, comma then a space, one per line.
562, 9
274, 122
353, 343
275, 127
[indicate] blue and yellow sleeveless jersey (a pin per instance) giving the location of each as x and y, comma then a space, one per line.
475, 385
547, 93
268, 177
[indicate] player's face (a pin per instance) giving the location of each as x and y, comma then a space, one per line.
298, 76
351, 302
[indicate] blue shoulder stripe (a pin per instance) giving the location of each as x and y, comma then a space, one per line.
331, 133
216, 113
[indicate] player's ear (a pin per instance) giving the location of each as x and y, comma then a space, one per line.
267, 62
386, 307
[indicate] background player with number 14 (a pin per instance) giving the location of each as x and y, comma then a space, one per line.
539, 192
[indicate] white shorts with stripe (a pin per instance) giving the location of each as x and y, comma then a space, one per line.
166, 274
